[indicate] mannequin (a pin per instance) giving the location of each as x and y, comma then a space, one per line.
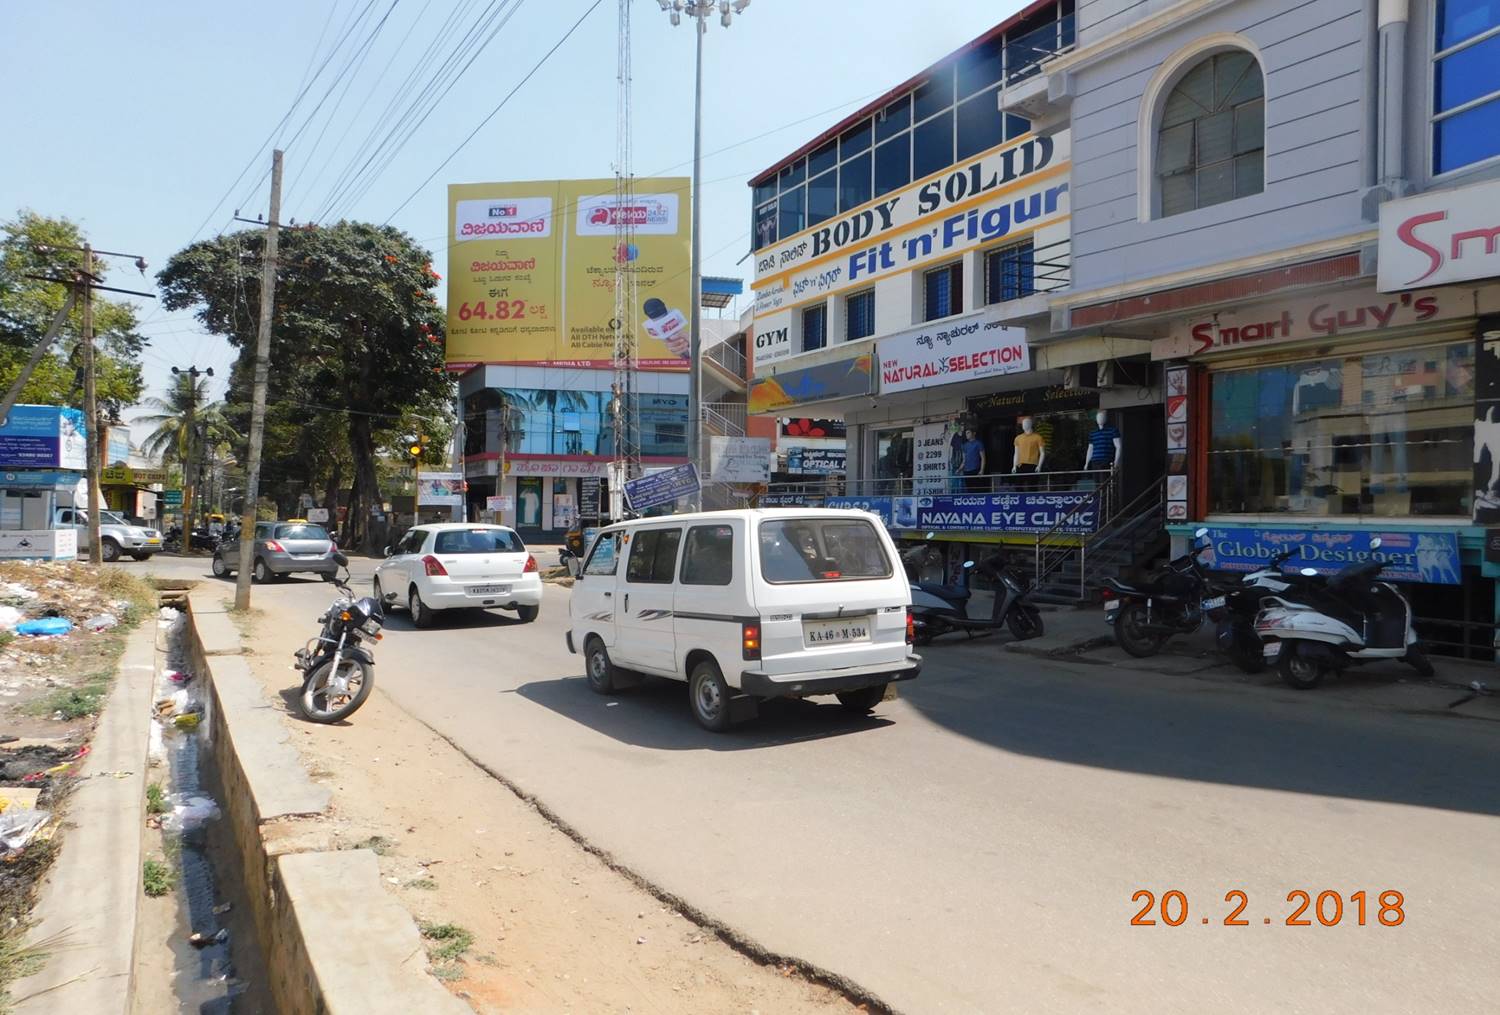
1031, 450
1104, 445
973, 461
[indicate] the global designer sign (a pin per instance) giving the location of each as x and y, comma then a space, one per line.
963, 350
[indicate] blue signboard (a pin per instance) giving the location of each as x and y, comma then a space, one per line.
1008, 512
662, 487
42, 437
1409, 556
895, 512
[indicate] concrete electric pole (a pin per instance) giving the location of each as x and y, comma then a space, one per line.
91, 408
258, 397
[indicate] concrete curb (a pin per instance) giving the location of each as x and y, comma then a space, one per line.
308, 901
90, 900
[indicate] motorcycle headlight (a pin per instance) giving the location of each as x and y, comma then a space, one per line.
371, 625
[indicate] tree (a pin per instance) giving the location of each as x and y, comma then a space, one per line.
356, 346
33, 244
169, 440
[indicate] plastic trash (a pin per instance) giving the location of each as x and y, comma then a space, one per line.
14, 590
18, 827
187, 721
103, 622
45, 627
191, 812
177, 676
10, 617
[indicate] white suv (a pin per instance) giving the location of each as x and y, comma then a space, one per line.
116, 535
456, 566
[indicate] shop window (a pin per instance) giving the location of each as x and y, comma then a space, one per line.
893, 119
932, 145
943, 291
815, 327
792, 217
1465, 88
893, 165
793, 175
822, 198
933, 95
824, 159
1384, 434
1009, 273
855, 140
1211, 139
893, 460
859, 315
981, 125
981, 67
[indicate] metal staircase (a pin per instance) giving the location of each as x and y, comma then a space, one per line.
1066, 565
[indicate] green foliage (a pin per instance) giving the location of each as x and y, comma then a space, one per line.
74, 702
169, 439
157, 878
156, 799
31, 244
450, 941
356, 349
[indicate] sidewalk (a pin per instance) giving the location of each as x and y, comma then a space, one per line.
1081, 634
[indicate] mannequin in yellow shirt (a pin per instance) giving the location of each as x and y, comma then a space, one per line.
1031, 449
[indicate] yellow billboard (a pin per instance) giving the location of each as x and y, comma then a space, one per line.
531, 272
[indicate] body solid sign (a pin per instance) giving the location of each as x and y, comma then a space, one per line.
1440, 237
1331, 316
1409, 556
963, 350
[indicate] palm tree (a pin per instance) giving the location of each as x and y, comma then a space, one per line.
170, 438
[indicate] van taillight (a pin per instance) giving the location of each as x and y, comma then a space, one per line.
911, 628
750, 640
433, 568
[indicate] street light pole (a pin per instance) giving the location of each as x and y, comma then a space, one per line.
698, 10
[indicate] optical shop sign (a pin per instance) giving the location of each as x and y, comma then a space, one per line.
964, 350
1431, 557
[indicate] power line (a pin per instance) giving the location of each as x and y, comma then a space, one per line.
529, 74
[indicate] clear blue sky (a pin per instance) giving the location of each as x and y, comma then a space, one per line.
134, 118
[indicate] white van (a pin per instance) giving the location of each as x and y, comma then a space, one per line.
748, 604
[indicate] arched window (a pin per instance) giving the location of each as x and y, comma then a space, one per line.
1211, 140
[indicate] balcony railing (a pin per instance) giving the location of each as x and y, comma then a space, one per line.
727, 357
1071, 481
724, 419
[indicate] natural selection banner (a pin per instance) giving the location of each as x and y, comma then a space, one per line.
531, 272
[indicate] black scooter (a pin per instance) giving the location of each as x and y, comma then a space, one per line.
940, 609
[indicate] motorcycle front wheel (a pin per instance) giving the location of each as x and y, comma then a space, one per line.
1131, 633
326, 700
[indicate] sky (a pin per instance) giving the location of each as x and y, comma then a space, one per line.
134, 119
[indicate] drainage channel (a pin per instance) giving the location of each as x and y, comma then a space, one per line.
198, 950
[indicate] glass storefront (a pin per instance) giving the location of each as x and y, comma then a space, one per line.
552, 422
1385, 434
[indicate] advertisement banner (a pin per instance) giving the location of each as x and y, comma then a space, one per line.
895, 512
564, 511
833, 428
440, 489
117, 445
932, 455
964, 350
739, 459
39, 544
845, 378
1008, 512
588, 497
662, 487
1410, 556
531, 272
1439, 237
500, 503
817, 461
42, 437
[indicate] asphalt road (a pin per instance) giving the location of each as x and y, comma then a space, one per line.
977, 845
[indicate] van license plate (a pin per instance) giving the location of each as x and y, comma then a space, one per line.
488, 590
834, 632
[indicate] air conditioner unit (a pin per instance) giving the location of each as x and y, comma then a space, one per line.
1083, 375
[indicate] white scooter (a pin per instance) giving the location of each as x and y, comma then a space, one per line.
1353, 619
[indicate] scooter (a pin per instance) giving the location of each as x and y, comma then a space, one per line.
1353, 619
939, 609
1236, 635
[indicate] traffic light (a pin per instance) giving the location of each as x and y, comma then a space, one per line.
417, 447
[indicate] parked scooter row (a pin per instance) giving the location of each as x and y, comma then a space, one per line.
938, 608
1303, 623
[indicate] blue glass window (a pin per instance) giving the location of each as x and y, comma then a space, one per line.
1471, 73
1009, 273
1458, 20
854, 182
860, 315
943, 291
1465, 84
815, 327
1465, 138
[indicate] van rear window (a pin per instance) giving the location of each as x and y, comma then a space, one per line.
820, 550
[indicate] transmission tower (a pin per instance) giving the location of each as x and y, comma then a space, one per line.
626, 397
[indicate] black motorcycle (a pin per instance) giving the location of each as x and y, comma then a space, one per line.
338, 671
1176, 600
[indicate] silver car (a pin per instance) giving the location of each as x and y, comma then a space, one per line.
280, 548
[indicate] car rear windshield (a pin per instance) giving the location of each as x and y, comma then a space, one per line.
821, 549
300, 532
478, 541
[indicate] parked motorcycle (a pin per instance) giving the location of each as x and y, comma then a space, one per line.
1175, 601
339, 672
1354, 618
939, 609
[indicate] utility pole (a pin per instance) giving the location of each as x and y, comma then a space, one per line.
38, 351
258, 397
91, 407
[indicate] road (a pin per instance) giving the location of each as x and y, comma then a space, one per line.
976, 846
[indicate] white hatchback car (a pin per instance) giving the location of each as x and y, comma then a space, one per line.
457, 566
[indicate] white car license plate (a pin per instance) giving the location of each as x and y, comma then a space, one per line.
835, 632
488, 590
1214, 603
